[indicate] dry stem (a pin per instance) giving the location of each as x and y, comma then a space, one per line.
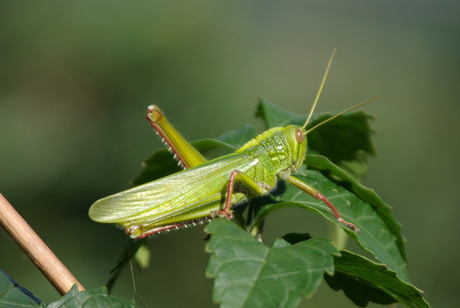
36, 249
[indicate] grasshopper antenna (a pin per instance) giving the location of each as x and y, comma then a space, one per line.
320, 89
339, 114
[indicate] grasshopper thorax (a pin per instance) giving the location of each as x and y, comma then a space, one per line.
278, 149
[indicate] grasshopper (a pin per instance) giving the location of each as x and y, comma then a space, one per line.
206, 189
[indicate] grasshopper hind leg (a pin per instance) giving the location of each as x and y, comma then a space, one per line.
139, 232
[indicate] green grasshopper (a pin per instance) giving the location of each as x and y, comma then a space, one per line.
206, 189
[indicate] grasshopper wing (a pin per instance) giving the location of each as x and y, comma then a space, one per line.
186, 195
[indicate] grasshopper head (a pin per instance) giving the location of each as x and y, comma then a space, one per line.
297, 141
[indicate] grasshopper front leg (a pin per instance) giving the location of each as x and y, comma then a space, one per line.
238, 176
316, 194
258, 188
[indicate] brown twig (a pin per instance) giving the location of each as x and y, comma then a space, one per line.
46, 261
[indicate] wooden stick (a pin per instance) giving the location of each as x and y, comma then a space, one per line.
46, 261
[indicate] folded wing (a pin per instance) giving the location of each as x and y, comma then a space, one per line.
195, 191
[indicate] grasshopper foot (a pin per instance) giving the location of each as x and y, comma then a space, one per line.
223, 214
349, 225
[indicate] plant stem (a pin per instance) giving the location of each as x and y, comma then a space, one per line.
46, 261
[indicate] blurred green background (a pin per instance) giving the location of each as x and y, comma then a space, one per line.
76, 78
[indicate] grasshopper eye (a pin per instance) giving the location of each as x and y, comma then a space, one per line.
299, 137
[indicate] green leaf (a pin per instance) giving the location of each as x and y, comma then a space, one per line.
368, 195
363, 280
237, 137
249, 274
12, 295
89, 299
275, 116
375, 236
